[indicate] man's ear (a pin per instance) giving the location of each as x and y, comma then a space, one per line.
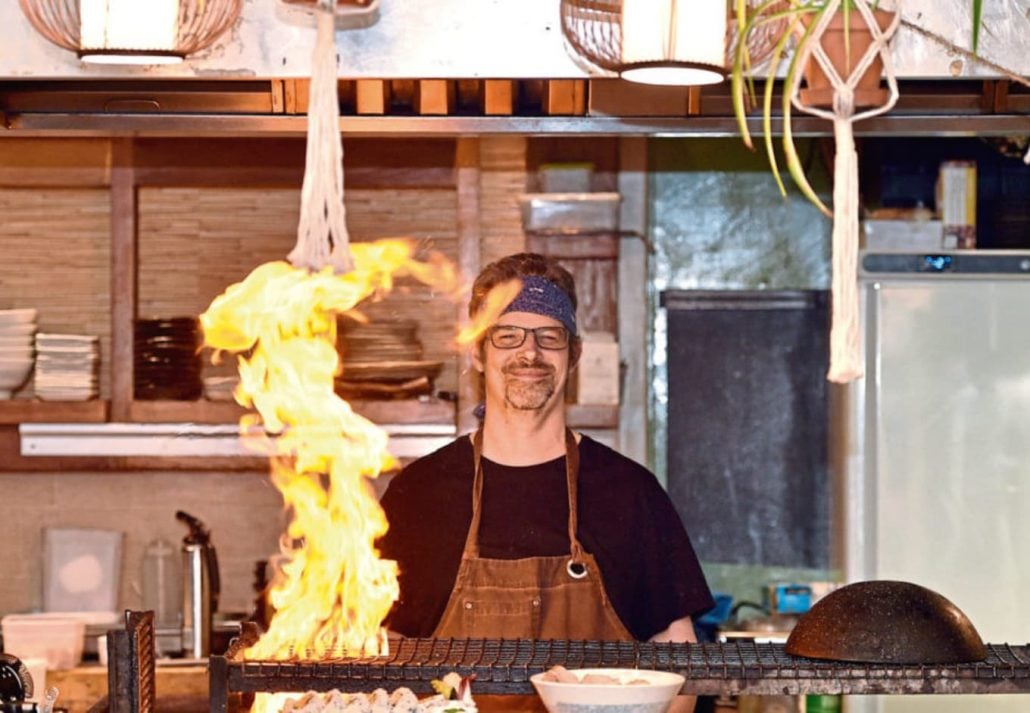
575, 352
477, 357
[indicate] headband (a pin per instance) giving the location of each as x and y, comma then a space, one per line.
541, 296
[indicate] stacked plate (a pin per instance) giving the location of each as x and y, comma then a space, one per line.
380, 342
17, 327
167, 359
220, 388
66, 367
384, 360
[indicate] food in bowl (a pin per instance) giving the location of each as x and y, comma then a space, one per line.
606, 690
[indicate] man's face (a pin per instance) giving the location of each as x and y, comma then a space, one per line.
527, 377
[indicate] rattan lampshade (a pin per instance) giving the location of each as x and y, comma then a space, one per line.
679, 42
132, 31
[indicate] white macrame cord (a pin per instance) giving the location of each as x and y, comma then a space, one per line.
322, 237
846, 362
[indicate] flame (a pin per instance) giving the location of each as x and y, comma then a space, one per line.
497, 299
332, 591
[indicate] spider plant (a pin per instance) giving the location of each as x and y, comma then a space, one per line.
781, 21
978, 10
786, 18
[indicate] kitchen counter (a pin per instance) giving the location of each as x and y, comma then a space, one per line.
180, 689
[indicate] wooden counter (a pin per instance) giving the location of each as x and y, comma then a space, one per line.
180, 689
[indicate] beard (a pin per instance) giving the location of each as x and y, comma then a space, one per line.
529, 394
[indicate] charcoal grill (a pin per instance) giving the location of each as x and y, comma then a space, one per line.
503, 666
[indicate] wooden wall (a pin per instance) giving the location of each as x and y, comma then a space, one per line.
208, 212
55, 247
211, 211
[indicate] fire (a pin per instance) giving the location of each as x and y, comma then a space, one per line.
332, 591
493, 306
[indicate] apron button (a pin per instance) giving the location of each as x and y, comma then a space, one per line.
468, 605
536, 601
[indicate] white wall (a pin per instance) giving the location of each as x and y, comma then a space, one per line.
478, 39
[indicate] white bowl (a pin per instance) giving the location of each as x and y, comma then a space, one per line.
13, 373
626, 695
17, 316
17, 329
18, 340
16, 353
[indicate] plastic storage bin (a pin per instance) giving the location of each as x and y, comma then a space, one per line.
55, 637
570, 212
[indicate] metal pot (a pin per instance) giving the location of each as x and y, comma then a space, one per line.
886, 622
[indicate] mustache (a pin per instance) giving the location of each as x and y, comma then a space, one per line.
520, 363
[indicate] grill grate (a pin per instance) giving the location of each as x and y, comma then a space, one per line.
503, 666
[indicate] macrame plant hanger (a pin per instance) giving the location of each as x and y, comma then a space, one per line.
846, 361
322, 238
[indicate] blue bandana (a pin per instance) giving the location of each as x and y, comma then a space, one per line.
541, 296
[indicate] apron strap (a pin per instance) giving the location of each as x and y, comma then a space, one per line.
576, 567
577, 563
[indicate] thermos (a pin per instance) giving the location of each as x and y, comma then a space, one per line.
200, 587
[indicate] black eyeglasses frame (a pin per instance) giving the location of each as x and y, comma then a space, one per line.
492, 331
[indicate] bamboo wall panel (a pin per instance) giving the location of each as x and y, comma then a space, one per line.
56, 257
430, 217
195, 242
502, 166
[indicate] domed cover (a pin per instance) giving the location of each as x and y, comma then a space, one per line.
886, 622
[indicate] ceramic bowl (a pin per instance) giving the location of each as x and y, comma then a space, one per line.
633, 691
20, 340
13, 373
17, 329
11, 353
17, 316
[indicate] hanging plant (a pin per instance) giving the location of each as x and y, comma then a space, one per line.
787, 27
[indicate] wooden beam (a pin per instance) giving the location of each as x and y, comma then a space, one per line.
39, 162
633, 315
295, 95
499, 97
124, 264
693, 101
565, 97
278, 92
15, 411
434, 97
372, 96
407, 411
469, 262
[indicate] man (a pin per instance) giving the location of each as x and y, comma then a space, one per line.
525, 529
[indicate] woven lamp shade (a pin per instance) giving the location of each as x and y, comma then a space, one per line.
132, 31
673, 42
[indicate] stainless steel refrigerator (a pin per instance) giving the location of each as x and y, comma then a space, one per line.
936, 449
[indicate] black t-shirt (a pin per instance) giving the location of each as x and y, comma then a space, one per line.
626, 521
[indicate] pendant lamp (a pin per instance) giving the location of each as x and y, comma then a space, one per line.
671, 42
132, 31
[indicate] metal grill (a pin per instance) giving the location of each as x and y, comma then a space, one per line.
503, 666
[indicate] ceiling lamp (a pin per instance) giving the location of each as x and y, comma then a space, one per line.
673, 42
132, 31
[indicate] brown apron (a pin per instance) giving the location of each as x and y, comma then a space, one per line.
560, 597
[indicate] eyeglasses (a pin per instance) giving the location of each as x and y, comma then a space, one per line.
508, 336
